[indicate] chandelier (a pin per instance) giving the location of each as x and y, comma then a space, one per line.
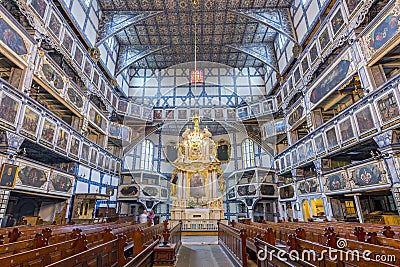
196, 151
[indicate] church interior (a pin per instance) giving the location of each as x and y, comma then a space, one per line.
200, 133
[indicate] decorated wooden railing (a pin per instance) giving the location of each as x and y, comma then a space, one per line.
234, 243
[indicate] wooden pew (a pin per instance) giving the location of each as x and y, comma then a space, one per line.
234, 243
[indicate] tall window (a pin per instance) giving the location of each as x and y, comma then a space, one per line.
248, 153
146, 162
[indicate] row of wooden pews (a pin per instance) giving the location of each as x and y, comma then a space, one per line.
103, 244
344, 239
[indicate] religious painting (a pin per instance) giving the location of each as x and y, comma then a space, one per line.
242, 112
337, 21
62, 139
246, 190
150, 191
169, 114
255, 109
324, 38
101, 160
267, 190
103, 87
304, 64
368, 175
88, 69
74, 146
346, 130
164, 192
85, 152
335, 77
157, 114
93, 156
365, 121
388, 108
54, 25
11, 38
331, 138
95, 78
231, 114
39, 6
282, 163
125, 133
62, 183
206, 112
309, 149
268, 106
74, 98
135, 110
106, 163
128, 191
147, 113
301, 153
30, 123
219, 114
384, 31
287, 159
319, 144
9, 109
336, 182
182, 114
223, 151
285, 90
97, 119
197, 188
296, 115
294, 156
78, 57
32, 176
122, 106
108, 96
53, 77
114, 101
297, 75
308, 186
286, 192
352, 5
278, 99
113, 130
280, 126
313, 53
67, 41
8, 174
48, 131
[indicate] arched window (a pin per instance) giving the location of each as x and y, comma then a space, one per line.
248, 153
146, 162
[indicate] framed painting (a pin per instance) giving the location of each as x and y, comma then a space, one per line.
74, 147
282, 163
75, 98
313, 53
135, 110
107, 163
304, 64
268, 105
114, 130
219, 114
388, 109
294, 157
288, 161
324, 38
95, 78
78, 55
33, 176
170, 114
40, 7
88, 68
85, 152
286, 192
331, 138
93, 155
62, 139
365, 121
101, 160
9, 173
12, 39
147, 113
102, 87
297, 75
279, 99
285, 90
125, 133
97, 119
296, 115
53, 77
109, 93
386, 29
48, 132
346, 130
61, 182
224, 151
301, 153
206, 113
290, 84
243, 112
319, 144
309, 149
30, 123
54, 25
9, 110
182, 114
115, 101
67, 41
337, 21
352, 5
255, 109
231, 114
122, 106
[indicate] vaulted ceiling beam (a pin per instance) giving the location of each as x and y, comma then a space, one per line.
128, 55
284, 27
263, 53
113, 22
